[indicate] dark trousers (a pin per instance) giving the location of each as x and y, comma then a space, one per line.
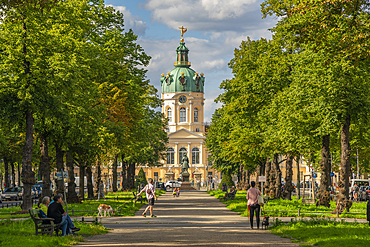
252, 209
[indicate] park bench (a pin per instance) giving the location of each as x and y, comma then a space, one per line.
230, 196
138, 198
41, 226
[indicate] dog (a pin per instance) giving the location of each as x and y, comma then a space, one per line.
265, 222
106, 208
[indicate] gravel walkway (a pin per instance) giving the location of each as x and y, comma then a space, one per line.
193, 219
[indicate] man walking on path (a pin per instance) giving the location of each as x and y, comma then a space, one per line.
150, 196
101, 191
253, 204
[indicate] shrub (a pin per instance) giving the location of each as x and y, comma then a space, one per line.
141, 178
227, 179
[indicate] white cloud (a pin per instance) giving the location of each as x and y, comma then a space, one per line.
131, 21
209, 15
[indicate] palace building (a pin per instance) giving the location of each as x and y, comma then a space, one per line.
183, 106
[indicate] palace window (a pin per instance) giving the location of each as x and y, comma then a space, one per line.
169, 115
182, 114
195, 114
170, 156
182, 151
197, 129
195, 155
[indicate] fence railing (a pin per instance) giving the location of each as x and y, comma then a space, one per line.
299, 212
16, 204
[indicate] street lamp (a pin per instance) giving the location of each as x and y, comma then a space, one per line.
1, 174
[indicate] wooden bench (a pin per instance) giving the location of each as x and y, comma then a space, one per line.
230, 196
41, 227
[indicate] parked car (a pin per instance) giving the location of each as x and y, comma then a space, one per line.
36, 189
364, 193
172, 184
14, 193
159, 185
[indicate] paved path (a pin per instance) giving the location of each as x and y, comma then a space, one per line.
193, 219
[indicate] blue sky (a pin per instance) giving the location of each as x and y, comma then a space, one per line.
215, 29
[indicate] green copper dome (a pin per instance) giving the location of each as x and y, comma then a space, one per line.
182, 78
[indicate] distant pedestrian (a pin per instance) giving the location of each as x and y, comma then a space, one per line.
253, 204
150, 196
101, 190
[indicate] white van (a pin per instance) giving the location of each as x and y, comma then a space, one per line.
358, 182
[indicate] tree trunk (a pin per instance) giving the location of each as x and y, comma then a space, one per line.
131, 176
247, 177
298, 178
124, 173
343, 201
273, 179
45, 165
90, 188
19, 173
114, 168
97, 178
6, 167
13, 173
277, 176
323, 195
267, 174
81, 190
288, 188
59, 154
72, 195
28, 176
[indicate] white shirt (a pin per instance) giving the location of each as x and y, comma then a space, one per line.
149, 191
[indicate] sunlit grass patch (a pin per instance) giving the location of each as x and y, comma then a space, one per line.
325, 232
22, 233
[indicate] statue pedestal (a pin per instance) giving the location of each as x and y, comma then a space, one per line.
185, 185
185, 177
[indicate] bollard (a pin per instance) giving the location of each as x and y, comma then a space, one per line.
117, 198
72, 211
83, 219
299, 212
337, 213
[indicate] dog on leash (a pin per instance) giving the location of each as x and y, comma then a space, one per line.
106, 209
265, 222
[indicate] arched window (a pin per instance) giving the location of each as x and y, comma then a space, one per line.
182, 151
170, 156
182, 114
195, 114
169, 114
195, 155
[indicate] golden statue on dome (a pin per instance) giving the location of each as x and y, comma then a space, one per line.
183, 30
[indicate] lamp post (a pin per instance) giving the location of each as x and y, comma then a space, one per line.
1, 174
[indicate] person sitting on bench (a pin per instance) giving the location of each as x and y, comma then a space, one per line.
56, 212
232, 191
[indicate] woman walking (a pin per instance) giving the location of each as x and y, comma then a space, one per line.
253, 204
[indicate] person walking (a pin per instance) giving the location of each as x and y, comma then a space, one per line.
101, 190
150, 196
253, 204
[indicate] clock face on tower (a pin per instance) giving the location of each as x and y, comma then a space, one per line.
182, 99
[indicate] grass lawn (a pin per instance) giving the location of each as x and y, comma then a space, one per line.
324, 233
240, 204
128, 208
22, 233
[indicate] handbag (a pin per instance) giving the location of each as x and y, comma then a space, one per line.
260, 200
